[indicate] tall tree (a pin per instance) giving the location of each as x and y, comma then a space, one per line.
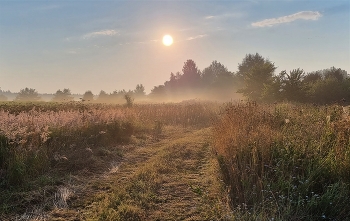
273, 92
173, 85
191, 74
328, 85
216, 72
292, 85
27, 94
256, 72
336, 73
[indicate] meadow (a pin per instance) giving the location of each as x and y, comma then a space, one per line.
35, 134
276, 161
285, 161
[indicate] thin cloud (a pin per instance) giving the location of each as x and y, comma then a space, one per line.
223, 16
210, 17
196, 37
109, 32
305, 15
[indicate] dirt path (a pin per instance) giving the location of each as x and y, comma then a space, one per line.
175, 178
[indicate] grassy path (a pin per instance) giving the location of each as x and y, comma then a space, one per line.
175, 178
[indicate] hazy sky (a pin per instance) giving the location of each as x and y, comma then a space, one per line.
114, 45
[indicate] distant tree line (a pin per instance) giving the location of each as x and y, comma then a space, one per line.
65, 95
214, 82
255, 80
117, 96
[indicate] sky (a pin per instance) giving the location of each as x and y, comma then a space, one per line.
115, 45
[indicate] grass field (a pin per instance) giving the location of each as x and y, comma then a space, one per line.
176, 161
285, 161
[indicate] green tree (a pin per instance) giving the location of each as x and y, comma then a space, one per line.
216, 74
256, 73
62, 96
292, 85
312, 77
327, 86
273, 92
329, 90
27, 94
336, 73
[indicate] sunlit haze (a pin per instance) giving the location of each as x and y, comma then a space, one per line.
115, 45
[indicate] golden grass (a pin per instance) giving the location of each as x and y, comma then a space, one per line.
276, 158
166, 180
44, 145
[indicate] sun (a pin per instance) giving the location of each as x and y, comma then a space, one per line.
167, 40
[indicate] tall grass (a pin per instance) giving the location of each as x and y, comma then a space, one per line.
285, 162
35, 136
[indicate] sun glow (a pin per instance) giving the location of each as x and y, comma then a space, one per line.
167, 40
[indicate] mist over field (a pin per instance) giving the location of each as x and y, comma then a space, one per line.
175, 110
256, 80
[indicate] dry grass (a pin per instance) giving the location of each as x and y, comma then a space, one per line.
35, 136
174, 178
285, 162
44, 146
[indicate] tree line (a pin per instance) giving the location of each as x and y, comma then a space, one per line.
65, 95
255, 80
